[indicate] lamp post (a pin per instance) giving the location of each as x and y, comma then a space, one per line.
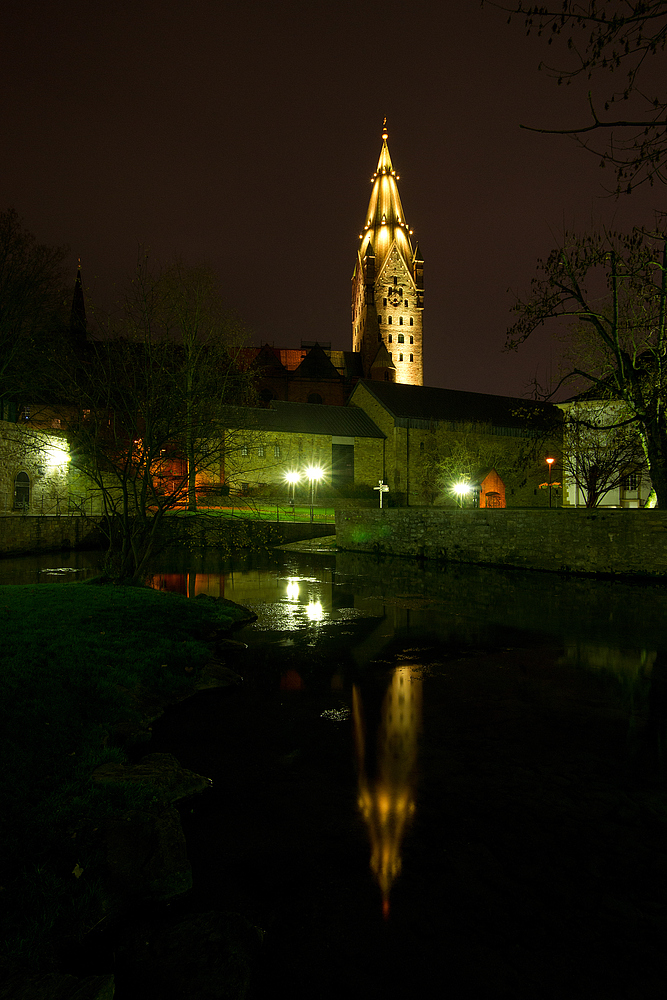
314, 474
550, 462
292, 478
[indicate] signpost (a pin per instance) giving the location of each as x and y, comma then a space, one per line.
381, 489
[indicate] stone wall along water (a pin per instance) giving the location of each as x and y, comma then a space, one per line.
632, 542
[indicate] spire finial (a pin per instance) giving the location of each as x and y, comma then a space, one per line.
385, 134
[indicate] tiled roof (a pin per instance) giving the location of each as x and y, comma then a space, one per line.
303, 418
415, 402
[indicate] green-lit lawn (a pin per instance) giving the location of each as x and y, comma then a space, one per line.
72, 661
270, 512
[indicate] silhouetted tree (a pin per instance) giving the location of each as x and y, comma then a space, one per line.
621, 38
31, 284
142, 411
613, 287
599, 451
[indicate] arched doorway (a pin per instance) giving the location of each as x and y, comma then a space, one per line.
21, 491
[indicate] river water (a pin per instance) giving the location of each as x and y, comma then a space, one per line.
430, 780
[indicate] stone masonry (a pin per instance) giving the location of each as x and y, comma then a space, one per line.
624, 542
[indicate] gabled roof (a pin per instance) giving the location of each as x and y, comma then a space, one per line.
267, 360
383, 358
423, 403
302, 418
316, 365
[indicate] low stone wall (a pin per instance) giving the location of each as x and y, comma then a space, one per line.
632, 542
23, 533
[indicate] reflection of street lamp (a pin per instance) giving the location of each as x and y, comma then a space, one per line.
461, 490
550, 462
314, 474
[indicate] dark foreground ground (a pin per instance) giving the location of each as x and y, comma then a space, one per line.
535, 865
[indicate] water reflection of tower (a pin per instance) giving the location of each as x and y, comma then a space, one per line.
387, 798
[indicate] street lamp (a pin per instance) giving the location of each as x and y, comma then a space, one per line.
550, 462
292, 478
461, 490
314, 473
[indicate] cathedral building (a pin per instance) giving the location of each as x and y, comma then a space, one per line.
388, 286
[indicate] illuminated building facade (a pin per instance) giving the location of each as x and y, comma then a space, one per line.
388, 286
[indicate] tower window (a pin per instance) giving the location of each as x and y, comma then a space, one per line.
401, 338
400, 357
379, 319
384, 302
411, 321
400, 321
395, 280
412, 340
390, 338
389, 320
406, 303
411, 358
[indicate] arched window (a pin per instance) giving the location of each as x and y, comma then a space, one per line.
390, 338
314, 397
412, 340
389, 320
411, 358
400, 321
401, 338
412, 322
400, 357
21, 491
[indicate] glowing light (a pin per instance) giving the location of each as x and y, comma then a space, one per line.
315, 611
461, 488
292, 590
314, 473
550, 461
55, 457
292, 478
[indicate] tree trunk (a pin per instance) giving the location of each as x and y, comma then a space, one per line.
654, 440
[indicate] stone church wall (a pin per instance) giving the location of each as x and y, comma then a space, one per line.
632, 542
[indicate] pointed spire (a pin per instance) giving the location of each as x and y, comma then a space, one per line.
77, 322
385, 221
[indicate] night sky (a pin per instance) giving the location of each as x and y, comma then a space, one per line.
245, 136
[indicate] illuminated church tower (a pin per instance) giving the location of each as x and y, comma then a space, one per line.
388, 286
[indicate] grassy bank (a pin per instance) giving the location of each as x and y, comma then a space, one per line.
78, 661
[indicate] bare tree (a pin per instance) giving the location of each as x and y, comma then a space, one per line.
620, 38
210, 339
31, 283
614, 287
142, 413
599, 452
